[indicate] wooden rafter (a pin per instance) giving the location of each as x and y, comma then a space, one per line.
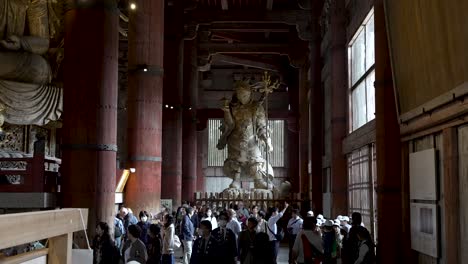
246, 61
245, 48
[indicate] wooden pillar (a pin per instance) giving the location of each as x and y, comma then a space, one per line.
339, 99
202, 150
388, 148
304, 132
89, 131
172, 111
451, 197
316, 113
293, 132
60, 249
189, 126
145, 84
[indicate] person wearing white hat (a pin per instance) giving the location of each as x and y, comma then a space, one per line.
345, 223
310, 213
330, 244
337, 227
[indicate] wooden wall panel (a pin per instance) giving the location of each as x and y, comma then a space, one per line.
463, 194
424, 143
428, 40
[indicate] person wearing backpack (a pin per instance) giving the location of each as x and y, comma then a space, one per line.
308, 248
274, 233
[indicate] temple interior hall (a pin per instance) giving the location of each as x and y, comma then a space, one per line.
330, 106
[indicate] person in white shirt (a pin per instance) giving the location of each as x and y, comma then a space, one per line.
209, 216
233, 224
294, 226
345, 223
272, 228
168, 240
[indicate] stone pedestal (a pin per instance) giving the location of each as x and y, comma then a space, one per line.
145, 51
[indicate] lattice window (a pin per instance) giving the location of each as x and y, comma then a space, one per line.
217, 157
361, 60
361, 185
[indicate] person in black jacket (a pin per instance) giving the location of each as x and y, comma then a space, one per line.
226, 240
205, 248
144, 226
253, 246
104, 250
154, 245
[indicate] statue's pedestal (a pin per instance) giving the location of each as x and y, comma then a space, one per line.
278, 192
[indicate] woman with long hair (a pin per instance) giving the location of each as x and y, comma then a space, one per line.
210, 217
104, 250
168, 240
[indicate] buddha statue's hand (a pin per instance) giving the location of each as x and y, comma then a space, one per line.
11, 43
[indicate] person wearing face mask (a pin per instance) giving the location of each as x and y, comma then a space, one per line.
144, 226
209, 216
226, 241
204, 248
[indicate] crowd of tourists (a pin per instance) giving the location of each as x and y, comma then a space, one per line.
206, 235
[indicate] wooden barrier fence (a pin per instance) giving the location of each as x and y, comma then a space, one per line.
57, 226
263, 201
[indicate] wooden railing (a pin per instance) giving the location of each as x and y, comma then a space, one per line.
57, 226
262, 200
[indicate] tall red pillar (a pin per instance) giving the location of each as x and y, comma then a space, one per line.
172, 113
293, 131
304, 132
316, 111
189, 126
89, 134
202, 149
339, 93
145, 83
391, 228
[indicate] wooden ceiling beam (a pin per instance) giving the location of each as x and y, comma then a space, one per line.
301, 19
248, 28
245, 48
245, 61
290, 17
